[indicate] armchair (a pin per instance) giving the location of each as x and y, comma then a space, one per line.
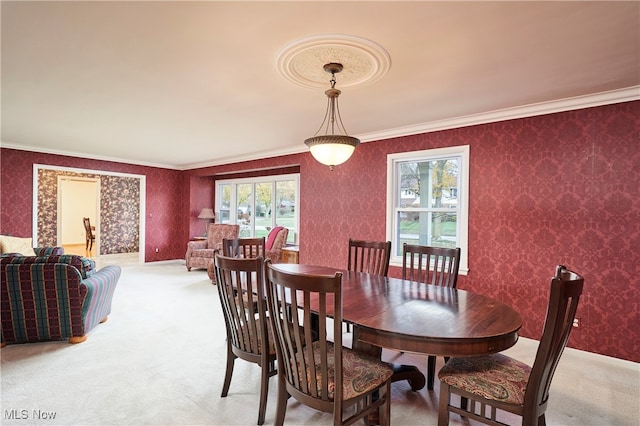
276, 240
200, 254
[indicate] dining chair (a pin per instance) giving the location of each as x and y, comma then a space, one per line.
243, 247
241, 286
431, 265
498, 382
247, 248
88, 232
314, 370
371, 257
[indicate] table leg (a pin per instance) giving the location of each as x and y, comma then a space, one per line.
410, 373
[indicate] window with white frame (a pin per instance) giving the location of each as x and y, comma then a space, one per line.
427, 200
260, 204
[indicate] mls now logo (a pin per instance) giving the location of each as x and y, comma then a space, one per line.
16, 414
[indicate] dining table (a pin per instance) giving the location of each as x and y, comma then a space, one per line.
409, 316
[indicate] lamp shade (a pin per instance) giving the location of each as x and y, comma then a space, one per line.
332, 150
207, 214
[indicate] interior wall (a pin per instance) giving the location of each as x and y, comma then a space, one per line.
164, 221
560, 188
554, 189
201, 190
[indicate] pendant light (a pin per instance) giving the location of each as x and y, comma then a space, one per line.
335, 146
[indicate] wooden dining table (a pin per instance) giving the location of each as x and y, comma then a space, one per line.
409, 316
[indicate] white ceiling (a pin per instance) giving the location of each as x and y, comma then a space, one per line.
189, 84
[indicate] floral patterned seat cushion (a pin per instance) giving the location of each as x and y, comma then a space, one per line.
361, 373
496, 377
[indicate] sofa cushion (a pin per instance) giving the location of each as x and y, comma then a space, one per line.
23, 246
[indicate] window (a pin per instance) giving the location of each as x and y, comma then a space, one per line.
260, 204
427, 200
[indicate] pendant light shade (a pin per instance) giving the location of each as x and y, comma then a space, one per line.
332, 148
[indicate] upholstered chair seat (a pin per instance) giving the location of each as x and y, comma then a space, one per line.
496, 377
361, 374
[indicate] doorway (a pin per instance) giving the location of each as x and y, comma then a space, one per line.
78, 197
119, 220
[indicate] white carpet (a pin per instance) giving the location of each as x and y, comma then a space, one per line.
159, 360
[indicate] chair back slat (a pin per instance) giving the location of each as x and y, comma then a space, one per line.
431, 265
243, 247
371, 257
566, 289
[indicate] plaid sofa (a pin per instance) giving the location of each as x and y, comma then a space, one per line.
53, 297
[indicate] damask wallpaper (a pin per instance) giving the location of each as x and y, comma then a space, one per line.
119, 210
553, 189
557, 188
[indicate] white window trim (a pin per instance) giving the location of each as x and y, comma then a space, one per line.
463, 197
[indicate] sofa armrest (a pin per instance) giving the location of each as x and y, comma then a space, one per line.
197, 245
100, 289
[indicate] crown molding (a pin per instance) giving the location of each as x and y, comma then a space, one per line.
531, 110
568, 104
249, 157
87, 156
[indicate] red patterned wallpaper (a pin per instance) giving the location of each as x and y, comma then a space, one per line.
200, 196
164, 226
559, 188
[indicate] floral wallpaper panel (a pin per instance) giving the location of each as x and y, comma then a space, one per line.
119, 210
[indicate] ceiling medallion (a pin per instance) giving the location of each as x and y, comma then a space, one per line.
302, 61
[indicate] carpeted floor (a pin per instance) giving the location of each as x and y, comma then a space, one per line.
159, 360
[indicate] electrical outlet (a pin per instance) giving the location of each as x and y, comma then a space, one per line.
157, 250
576, 322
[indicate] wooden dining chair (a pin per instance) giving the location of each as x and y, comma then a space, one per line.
88, 232
498, 382
243, 247
431, 265
241, 287
371, 257
317, 372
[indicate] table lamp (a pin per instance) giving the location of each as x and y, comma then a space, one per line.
207, 215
